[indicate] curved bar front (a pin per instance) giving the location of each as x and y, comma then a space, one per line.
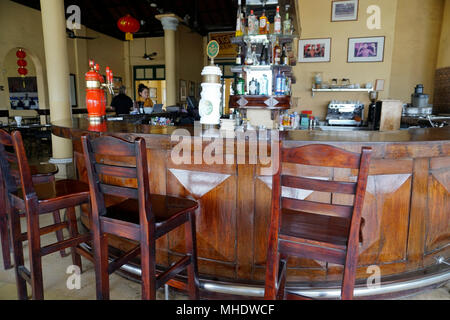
406, 210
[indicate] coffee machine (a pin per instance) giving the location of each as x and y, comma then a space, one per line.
345, 113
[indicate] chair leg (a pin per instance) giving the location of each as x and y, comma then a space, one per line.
101, 265
272, 265
59, 233
4, 237
73, 230
348, 281
281, 294
148, 265
34, 244
14, 227
191, 249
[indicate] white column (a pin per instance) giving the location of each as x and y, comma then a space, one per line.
170, 24
57, 64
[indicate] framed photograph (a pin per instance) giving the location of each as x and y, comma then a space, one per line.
153, 93
314, 50
379, 85
183, 90
366, 49
344, 10
192, 88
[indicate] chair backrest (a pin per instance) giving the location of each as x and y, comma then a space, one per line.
7, 157
319, 155
102, 171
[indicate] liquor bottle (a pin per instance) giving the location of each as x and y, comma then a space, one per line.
252, 24
240, 85
276, 53
239, 26
277, 22
263, 23
264, 86
287, 27
254, 56
268, 27
285, 56
243, 24
252, 87
279, 84
239, 57
249, 57
263, 56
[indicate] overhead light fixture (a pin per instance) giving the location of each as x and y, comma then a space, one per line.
154, 5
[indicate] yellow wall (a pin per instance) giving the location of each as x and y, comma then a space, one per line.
417, 38
444, 49
316, 22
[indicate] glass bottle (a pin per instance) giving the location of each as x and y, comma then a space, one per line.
276, 53
279, 83
240, 85
239, 25
252, 24
239, 57
287, 28
249, 56
264, 86
285, 57
268, 27
277, 22
263, 23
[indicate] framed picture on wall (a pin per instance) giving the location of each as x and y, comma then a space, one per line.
183, 90
192, 88
314, 50
153, 93
366, 49
344, 10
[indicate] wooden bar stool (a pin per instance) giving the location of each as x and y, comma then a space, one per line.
307, 229
143, 217
42, 173
35, 200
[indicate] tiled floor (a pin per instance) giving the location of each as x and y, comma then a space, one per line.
56, 278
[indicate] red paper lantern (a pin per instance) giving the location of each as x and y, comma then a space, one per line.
22, 63
21, 54
23, 71
129, 25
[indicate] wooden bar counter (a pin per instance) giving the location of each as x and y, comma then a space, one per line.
406, 212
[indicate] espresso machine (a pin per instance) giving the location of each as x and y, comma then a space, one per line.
345, 113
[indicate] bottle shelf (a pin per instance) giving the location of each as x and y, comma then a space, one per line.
341, 90
273, 102
240, 69
261, 38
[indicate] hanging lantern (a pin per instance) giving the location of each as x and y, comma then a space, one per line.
22, 63
21, 54
129, 25
22, 71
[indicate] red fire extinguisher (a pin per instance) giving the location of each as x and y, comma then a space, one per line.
95, 94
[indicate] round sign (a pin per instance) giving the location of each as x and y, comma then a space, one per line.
213, 49
205, 108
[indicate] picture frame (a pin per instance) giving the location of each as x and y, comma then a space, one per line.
370, 49
344, 10
192, 88
379, 85
153, 93
314, 50
183, 90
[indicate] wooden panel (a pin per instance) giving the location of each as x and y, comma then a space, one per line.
419, 210
245, 216
216, 216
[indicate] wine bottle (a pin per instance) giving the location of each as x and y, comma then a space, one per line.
277, 22
239, 26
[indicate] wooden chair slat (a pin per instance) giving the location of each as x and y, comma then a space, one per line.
118, 191
116, 171
108, 146
317, 207
319, 185
325, 156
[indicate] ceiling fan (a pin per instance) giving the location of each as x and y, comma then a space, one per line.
71, 35
147, 56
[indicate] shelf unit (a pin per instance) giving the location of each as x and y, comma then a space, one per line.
313, 91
